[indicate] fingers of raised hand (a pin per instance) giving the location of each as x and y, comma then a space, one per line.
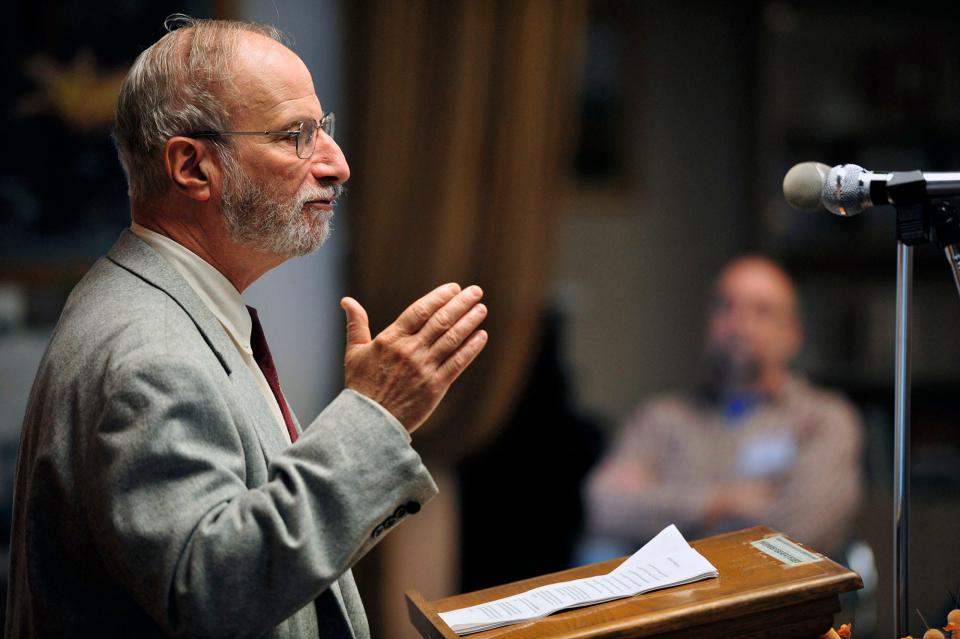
461, 358
445, 319
358, 327
451, 339
418, 313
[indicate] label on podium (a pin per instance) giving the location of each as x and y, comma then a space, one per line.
666, 560
784, 550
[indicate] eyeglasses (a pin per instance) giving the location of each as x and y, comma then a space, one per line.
306, 134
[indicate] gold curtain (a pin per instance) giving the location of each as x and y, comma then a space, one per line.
460, 116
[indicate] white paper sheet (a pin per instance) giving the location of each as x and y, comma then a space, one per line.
666, 560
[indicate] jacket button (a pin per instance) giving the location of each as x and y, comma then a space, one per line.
412, 507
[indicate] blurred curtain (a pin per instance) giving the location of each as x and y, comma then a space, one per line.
460, 117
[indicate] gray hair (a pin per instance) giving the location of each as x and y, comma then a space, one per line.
181, 84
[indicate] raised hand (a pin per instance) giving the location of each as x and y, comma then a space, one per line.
409, 367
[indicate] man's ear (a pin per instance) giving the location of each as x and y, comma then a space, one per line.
189, 164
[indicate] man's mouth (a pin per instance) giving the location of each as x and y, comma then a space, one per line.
324, 198
326, 205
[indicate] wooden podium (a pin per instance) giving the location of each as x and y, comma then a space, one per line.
755, 596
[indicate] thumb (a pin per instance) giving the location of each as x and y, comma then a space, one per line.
358, 326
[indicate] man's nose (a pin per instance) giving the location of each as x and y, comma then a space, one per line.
328, 163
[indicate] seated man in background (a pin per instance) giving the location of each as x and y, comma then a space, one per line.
755, 445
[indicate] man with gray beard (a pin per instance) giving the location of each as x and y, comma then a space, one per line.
164, 487
258, 216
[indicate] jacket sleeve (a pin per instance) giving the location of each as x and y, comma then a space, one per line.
203, 554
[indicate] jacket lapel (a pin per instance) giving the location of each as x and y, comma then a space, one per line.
136, 256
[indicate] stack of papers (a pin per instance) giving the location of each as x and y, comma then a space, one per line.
666, 560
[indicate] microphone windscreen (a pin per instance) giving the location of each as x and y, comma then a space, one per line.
803, 186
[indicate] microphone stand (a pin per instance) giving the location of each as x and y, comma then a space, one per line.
946, 235
919, 221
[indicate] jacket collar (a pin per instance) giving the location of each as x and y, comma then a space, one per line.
135, 255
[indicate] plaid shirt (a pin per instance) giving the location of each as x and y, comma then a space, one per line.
805, 442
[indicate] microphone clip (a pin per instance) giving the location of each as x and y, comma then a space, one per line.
921, 220
907, 191
934, 222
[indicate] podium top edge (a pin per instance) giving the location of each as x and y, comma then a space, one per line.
749, 582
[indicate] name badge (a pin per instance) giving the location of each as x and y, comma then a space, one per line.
766, 455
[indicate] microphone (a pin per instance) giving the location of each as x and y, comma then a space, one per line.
848, 189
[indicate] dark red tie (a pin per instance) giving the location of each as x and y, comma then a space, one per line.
261, 353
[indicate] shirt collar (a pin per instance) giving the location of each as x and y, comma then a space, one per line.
210, 285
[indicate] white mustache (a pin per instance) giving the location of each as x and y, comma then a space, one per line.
329, 193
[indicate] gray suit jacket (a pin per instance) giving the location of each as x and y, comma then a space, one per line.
156, 495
